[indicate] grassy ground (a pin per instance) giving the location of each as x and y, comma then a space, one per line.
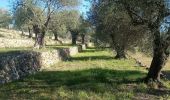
90, 75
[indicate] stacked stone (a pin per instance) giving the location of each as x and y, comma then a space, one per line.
18, 64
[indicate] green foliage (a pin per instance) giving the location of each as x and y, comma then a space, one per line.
85, 27
114, 25
63, 21
5, 18
28, 14
109, 18
37, 12
72, 20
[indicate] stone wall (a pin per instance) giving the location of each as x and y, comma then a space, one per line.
15, 65
9, 43
49, 58
73, 51
18, 64
82, 47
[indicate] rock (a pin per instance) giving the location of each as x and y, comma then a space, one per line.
73, 51
84, 46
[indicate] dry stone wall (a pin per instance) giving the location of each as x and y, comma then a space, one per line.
18, 64
73, 51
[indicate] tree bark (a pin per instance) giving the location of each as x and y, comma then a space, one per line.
22, 32
39, 39
82, 38
29, 31
56, 38
119, 48
159, 60
39, 42
74, 38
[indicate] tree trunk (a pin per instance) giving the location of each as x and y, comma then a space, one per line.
83, 38
29, 31
159, 60
39, 39
39, 42
120, 49
56, 38
120, 52
74, 38
22, 32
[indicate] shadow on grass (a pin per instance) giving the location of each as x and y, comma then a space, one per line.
92, 58
59, 46
98, 81
92, 50
81, 80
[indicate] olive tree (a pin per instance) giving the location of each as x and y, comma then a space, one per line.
113, 26
38, 13
72, 22
64, 22
5, 18
58, 26
84, 29
152, 13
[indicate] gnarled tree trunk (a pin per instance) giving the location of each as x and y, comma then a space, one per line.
158, 62
74, 37
56, 38
82, 38
160, 58
39, 39
120, 49
30, 33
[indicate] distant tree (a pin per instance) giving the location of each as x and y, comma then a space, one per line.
84, 29
5, 18
113, 26
38, 13
58, 25
22, 22
72, 22
64, 22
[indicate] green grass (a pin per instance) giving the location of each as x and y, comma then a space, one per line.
90, 75
59, 46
